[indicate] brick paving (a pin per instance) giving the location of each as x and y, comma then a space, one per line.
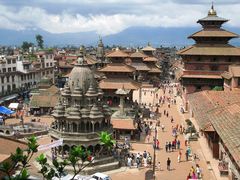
179, 170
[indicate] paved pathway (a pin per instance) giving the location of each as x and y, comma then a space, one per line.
179, 170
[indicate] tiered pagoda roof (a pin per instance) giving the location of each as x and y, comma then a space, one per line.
138, 54
117, 53
212, 39
148, 48
117, 67
209, 50
150, 59
117, 83
214, 33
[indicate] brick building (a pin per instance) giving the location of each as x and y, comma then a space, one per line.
205, 61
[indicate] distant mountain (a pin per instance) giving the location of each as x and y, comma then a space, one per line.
140, 36
11, 37
134, 36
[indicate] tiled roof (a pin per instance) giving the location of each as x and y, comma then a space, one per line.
91, 60
9, 145
214, 33
154, 69
138, 55
226, 124
212, 18
150, 59
65, 64
140, 66
46, 98
216, 50
117, 53
148, 48
203, 76
219, 110
117, 67
117, 83
123, 124
202, 103
38, 101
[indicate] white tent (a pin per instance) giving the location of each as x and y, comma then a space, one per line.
13, 105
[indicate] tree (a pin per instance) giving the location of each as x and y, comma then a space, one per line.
79, 158
20, 160
26, 45
39, 40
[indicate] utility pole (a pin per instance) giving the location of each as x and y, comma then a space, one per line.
154, 152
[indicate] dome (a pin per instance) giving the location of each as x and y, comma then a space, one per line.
107, 110
81, 76
58, 111
77, 92
91, 91
66, 91
85, 112
95, 113
100, 91
74, 113
212, 11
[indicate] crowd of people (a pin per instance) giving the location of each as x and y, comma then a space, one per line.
162, 106
139, 160
195, 173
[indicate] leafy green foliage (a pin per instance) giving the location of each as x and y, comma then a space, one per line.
21, 160
46, 170
217, 88
107, 140
39, 40
26, 45
79, 158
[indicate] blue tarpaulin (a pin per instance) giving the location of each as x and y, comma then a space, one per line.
5, 110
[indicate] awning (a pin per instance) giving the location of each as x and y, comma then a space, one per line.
13, 105
5, 110
7, 98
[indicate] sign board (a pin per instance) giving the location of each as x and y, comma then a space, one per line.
51, 145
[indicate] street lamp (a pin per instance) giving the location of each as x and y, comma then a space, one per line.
154, 152
140, 78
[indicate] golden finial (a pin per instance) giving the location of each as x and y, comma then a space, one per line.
212, 12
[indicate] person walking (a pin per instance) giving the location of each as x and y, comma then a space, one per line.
159, 166
178, 144
186, 154
148, 138
157, 144
163, 127
168, 164
169, 146
166, 146
179, 156
129, 161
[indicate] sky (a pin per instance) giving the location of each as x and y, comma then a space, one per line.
108, 17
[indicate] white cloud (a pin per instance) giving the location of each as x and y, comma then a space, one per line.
138, 13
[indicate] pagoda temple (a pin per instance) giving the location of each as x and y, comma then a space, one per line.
154, 71
118, 74
209, 57
81, 114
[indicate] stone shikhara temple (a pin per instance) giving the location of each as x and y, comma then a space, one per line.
81, 114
